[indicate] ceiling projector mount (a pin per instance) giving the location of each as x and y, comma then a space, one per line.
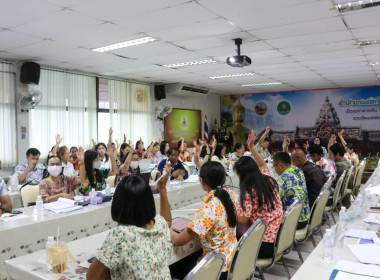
238, 60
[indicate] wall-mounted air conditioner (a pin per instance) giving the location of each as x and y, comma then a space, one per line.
185, 90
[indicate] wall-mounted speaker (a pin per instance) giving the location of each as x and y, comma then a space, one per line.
159, 92
30, 73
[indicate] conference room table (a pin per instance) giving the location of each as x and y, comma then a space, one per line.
33, 266
315, 267
27, 233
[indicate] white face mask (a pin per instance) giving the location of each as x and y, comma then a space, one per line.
55, 170
134, 164
96, 165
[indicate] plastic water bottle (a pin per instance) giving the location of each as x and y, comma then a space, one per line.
39, 206
49, 242
368, 198
93, 199
230, 168
328, 245
108, 189
13, 183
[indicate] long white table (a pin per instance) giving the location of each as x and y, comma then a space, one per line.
33, 266
315, 267
28, 235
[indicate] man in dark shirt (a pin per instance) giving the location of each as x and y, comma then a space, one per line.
178, 170
314, 175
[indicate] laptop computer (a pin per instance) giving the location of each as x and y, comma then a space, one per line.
144, 165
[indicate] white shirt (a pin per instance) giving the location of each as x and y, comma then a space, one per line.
68, 169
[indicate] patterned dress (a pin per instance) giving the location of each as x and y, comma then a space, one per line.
65, 185
36, 174
292, 186
211, 225
263, 152
132, 252
327, 166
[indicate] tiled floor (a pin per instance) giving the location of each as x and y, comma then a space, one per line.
277, 272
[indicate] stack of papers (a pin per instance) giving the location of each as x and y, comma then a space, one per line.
366, 253
192, 179
346, 270
62, 205
359, 233
375, 190
373, 218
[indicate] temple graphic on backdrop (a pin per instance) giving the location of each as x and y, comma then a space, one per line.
327, 122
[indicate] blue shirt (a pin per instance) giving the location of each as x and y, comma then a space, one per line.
175, 167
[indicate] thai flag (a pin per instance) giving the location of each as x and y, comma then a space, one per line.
205, 136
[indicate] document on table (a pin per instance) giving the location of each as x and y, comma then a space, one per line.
62, 205
366, 253
373, 218
12, 217
192, 179
348, 270
375, 190
359, 233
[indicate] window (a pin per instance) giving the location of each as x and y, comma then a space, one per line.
7, 116
68, 108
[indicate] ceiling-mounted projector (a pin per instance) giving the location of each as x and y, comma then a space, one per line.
238, 60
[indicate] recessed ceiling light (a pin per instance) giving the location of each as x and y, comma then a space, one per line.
232, 76
373, 64
352, 6
368, 43
130, 43
190, 63
262, 84
378, 76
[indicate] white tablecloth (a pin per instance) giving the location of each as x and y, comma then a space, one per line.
24, 236
33, 266
315, 267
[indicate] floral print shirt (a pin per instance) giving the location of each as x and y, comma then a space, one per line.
65, 185
263, 152
328, 167
86, 186
252, 211
353, 158
132, 252
185, 156
36, 174
292, 186
211, 225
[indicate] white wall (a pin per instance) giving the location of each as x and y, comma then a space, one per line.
209, 105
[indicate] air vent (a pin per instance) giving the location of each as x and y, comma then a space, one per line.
185, 90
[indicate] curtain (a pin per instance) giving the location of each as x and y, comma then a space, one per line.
68, 108
130, 110
8, 147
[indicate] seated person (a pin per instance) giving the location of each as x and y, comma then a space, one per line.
326, 164
153, 152
215, 221
56, 185
292, 186
202, 155
68, 167
263, 144
184, 154
74, 158
139, 247
336, 153
220, 151
239, 150
31, 169
129, 166
178, 171
140, 150
350, 154
5, 200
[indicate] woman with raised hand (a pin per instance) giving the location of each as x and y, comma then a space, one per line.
139, 247
220, 151
140, 148
259, 197
106, 157
350, 154
152, 152
68, 167
215, 222
201, 156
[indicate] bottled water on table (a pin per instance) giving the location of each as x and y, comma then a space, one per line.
49, 242
93, 198
39, 206
108, 189
328, 245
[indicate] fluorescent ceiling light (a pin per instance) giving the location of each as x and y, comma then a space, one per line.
190, 63
232, 76
378, 76
352, 6
368, 43
262, 84
125, 44
373, 64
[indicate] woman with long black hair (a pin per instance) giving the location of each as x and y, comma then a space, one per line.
220, 151
215, 222
259, 198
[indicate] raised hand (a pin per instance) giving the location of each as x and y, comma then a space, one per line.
285, 143
340, 133
267, 129
161, 185
125, 138
251, 139
58, 139
110, 150
306, 145
110, 131
80, 154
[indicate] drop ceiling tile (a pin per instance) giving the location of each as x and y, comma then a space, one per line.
15, 13
67, 3
363, 18
154, 49
310, 27
11, 40
42, 48
7, 55
375, 49
114, 9
230, 49
167, 18
56, 24
328, 55
202, 29
367, 33
320, 48
175, 58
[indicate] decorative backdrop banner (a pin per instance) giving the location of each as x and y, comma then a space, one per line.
303, 115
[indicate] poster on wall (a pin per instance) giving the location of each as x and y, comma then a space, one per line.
304, 115
183, 123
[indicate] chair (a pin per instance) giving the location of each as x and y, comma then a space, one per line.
357, 179
315, 222
208, 268
29, 194
329, 181
111, 180
285, 238
336, 197
346, 183
244, 261
187, 169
